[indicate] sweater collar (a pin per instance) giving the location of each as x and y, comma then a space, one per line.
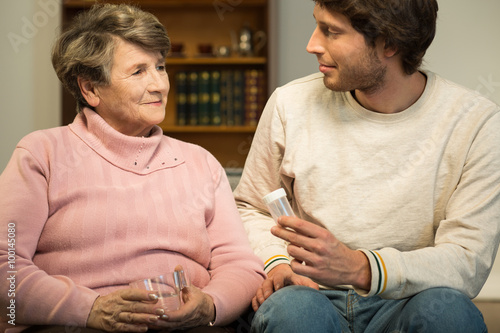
141, 155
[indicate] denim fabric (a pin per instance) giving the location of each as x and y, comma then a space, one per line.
303, 310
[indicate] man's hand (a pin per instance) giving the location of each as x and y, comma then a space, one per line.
125, 310
320, 256
279, 277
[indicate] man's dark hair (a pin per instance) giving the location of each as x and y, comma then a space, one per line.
409, 26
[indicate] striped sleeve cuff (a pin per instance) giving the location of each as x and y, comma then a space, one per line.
379, 273
275, 261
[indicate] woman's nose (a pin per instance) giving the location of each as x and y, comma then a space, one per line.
159, 81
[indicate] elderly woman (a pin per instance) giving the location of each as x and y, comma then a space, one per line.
109, 199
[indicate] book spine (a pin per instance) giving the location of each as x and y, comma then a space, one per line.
251, 97
227, 106
238, 98
181, 98
193, 98
204, 98
215, 98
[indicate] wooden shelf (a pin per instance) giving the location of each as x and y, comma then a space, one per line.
192, 23
209, 129
163, 3
216, 61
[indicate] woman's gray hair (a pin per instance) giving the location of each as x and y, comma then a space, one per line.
86, 48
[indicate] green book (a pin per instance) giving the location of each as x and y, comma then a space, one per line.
192, 101
226, 95
204, 98
215, 98
238, 98
181, 98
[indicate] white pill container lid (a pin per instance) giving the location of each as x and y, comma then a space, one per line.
279, 193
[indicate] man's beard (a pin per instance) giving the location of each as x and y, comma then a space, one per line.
367, 75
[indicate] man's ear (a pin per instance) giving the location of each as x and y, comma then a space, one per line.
89, 92
390, 50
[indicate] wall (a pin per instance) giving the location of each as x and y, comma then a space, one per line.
466, 50
29, 89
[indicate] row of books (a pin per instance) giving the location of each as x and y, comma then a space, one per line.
220, 97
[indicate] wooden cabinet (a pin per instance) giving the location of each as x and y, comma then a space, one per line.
194, 23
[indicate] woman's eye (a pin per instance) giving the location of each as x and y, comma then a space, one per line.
137, 72
160, 68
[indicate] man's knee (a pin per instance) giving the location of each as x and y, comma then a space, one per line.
440, 310
293, 309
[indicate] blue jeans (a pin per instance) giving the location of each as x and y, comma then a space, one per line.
303, 310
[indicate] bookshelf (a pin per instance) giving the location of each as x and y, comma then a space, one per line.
194, 23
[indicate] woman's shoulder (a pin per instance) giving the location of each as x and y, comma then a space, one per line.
43, 138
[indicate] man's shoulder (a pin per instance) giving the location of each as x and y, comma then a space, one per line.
453, 91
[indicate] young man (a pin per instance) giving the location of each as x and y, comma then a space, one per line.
393, 174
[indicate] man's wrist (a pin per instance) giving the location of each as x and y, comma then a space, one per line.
364, 275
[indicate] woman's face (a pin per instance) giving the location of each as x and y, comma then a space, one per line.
136, 98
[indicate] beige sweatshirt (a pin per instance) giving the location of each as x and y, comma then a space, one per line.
417, 191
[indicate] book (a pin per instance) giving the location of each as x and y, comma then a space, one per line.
226, 94
181, 98
215, 100
204, 98
238, 98
251, 97
192, 101
220, 97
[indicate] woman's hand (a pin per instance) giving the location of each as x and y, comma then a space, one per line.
197, 310
126, 310
279, 277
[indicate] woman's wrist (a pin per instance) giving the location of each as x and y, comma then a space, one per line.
212, 322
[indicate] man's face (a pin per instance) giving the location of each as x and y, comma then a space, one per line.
344, 58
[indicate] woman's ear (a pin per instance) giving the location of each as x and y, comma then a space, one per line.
88, 91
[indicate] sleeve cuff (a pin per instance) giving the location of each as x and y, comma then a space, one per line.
274, 261
273, 256
379, 274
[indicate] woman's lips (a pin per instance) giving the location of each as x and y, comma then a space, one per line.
155, 103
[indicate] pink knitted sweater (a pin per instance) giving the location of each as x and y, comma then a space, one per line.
93, 209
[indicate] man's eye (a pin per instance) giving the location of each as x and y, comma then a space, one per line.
328, 33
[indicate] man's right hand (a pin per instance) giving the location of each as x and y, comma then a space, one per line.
279, 277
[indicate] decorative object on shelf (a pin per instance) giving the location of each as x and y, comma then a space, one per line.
248, 38
223, 51
205, 50
176, 50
